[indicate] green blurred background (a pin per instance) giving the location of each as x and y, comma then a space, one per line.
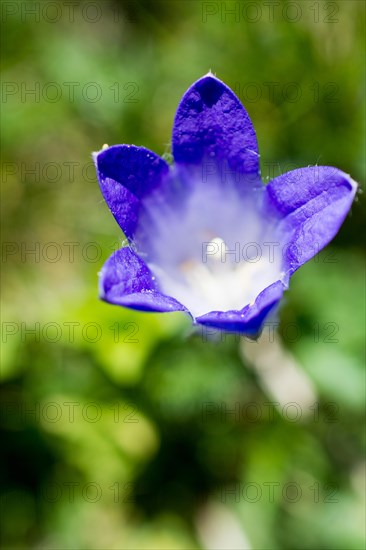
129, 430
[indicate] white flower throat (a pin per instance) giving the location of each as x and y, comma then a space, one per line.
212, 255
223, 280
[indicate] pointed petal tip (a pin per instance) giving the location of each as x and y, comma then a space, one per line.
95, 156
354, 186
353, 183
210, 74
104, 147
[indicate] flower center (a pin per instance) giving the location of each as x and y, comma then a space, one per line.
225, 280
210, 253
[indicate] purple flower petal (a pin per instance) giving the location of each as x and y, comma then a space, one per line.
250, 319
125, 280
311, 204
126, 174
212, 125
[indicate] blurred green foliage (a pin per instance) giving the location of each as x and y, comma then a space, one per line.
117, 431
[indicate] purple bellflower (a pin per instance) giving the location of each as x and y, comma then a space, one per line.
205, 235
